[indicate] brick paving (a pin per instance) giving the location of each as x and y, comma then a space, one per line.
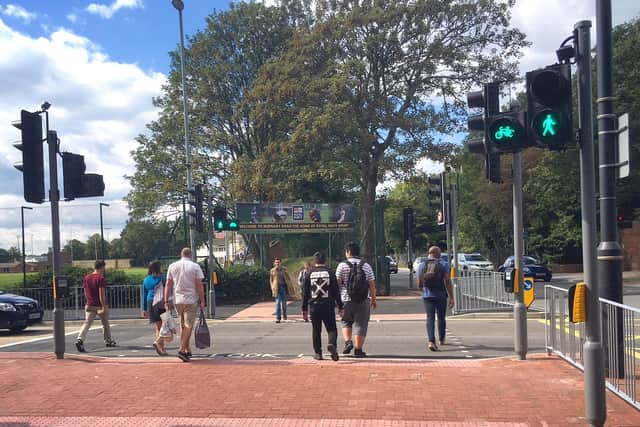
84, 390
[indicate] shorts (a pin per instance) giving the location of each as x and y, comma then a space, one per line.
356, 316
187, 314
155, 312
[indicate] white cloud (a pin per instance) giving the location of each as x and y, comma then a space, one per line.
98, 107
19, 12
72, 17
107, 11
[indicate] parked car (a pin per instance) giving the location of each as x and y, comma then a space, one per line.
531, 267
393, 264
18, 312
474, 261
417, 261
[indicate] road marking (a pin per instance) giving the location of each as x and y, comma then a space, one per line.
48, 337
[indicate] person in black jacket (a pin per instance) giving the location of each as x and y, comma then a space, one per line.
320, 296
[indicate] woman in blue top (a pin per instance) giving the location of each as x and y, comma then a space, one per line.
155, 278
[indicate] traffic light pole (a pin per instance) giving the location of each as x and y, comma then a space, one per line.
212, 290
54, 198
610, 254
454, 227
519, 309
595, 403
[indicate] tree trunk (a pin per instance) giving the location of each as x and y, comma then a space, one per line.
367, 216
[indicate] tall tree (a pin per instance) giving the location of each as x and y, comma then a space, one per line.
370, 87
221, 63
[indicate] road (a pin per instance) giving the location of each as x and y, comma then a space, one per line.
397, 331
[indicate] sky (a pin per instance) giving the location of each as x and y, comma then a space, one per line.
99, 63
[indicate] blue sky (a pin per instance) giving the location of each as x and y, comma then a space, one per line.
100, 63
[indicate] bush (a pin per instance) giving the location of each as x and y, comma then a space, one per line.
242, 283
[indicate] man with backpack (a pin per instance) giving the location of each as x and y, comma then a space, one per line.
433, 280
358, 292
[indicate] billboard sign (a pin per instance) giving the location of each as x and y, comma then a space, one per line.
256, 217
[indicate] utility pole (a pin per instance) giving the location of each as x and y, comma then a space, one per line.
610, 254
453, 209
102, 252
179, 5
54, 198
24, 261
519, 309
595, 401
212, 290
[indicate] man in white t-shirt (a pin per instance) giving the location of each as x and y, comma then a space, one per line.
186, 276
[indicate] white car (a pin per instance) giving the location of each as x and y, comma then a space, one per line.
474, 261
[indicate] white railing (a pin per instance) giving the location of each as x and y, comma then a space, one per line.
124, 301
619, 326
481, 291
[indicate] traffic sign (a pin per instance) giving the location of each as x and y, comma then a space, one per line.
529, 290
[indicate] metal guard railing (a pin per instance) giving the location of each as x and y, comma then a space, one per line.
619, 324
477, 291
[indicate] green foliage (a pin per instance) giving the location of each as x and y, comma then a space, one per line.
242, 283
412, 193
626, 79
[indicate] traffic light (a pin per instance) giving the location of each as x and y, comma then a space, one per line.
222, 223
492, 168
625, 217
76, 182
507, 131
488, 99
437, 197
32, 166
407, 223
550, 106
196, 202
232, 225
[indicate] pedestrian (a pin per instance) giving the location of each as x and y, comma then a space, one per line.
358, 300
281, 287
302, 274
434, 281
153, 285
321, 295
95, 293
186, 276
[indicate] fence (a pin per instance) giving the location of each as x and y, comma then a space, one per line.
621, 344
481, 291
124, 301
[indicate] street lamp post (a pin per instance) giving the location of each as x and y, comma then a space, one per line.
179, 6
24, 262
102, 231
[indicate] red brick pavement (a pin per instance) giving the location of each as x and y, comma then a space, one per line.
84, 390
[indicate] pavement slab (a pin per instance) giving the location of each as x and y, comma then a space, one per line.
84, 390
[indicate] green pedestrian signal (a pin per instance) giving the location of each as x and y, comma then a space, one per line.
219, 225
549, 126
549, 104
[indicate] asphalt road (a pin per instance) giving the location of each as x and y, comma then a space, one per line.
467, 337
472, 336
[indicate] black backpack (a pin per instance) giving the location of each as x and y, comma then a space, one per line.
357, 285
433, 275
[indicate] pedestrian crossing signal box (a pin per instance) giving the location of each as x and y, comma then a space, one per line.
578, 303
60, 287
511, 280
